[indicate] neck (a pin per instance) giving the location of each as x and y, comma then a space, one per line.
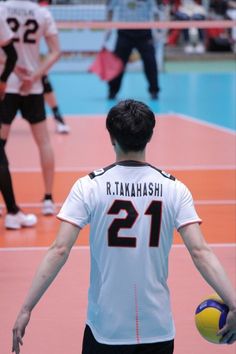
134, 156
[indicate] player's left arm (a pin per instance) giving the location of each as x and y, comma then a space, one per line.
9, 64
213, 272
51, 264
53, 55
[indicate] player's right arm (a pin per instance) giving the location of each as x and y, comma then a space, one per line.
53, 55
51, 264
213, 272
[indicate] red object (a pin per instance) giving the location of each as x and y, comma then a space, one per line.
106, 65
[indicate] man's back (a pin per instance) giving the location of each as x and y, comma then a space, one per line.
132, 209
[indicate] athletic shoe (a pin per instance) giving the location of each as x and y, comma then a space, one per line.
48, 207
19, 220
200, 48
62, 128
189, 49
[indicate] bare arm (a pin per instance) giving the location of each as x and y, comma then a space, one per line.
51, 264
213, 272
52, 56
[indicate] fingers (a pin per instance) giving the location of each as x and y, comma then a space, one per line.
17, 341
227, 337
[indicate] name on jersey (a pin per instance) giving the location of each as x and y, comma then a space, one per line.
134, 189
20, 12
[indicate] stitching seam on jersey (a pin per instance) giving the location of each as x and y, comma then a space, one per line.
136, 314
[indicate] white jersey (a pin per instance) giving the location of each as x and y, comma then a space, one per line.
5, 33
133, 209
30, 23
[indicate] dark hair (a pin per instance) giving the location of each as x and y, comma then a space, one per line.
131, 123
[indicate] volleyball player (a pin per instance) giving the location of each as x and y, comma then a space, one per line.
132, 208
31, 22
50, 97
15, 218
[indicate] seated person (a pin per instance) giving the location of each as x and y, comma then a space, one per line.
191, 10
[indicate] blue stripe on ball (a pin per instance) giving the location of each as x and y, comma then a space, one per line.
223, 317
212, 303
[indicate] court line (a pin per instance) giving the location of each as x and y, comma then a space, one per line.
165, 167
170, 114
196, 202
204, 123
86, 248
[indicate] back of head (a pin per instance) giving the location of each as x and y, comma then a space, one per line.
131, 124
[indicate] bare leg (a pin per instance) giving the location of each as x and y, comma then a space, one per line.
42, 139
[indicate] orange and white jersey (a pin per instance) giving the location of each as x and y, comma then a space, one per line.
133, 209
5, 33
29, 23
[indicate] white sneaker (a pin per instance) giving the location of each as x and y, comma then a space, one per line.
16, 221
200, 48
189, 49
48, 207
62, 128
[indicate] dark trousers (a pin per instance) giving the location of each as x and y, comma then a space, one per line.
91, 346
184, 17
141, 40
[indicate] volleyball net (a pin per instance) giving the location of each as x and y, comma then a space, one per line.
83, 27
83, 30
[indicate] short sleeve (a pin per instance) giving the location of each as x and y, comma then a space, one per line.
75, 210
5, 32
185, 210
50, 24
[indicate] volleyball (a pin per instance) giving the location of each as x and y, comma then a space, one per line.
210, 317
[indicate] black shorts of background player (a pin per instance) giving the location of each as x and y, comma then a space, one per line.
50, 98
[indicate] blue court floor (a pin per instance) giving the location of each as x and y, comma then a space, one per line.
207, 96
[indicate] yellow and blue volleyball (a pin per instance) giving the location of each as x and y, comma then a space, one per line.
210, 317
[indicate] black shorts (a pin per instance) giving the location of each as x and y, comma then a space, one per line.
47, 86
91, 346
31, 108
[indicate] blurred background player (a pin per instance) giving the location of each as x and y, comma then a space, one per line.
30, 22
50, 98
15, 218
141, 39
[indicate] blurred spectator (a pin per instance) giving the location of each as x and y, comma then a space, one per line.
191, 10
231, 14
218, 8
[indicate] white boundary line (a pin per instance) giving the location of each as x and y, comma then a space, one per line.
196, 202
165, 167
162, 116
204, 123
86, 248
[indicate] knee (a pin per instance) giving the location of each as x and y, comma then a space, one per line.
181, 16
198, 17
